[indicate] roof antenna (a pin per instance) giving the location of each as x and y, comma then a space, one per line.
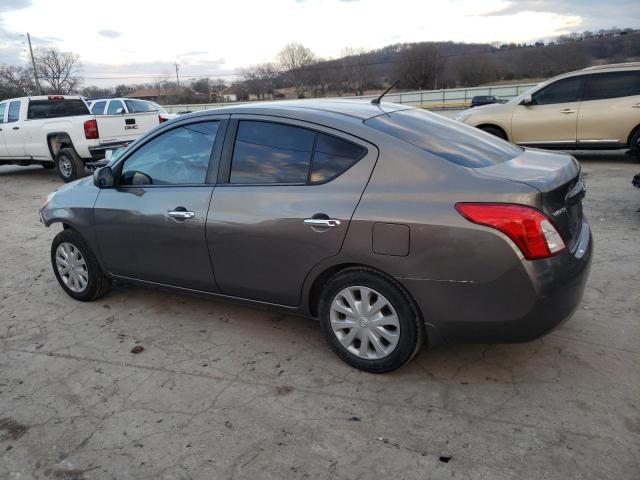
376, 101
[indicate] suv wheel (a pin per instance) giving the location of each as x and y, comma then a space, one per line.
69, 165
495, 132
77, 268
369, 321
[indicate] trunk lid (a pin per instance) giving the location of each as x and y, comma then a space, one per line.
556, 176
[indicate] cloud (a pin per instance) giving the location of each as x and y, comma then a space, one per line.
9, 5
593, 13
109, 33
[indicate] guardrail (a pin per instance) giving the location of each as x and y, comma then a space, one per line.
453, 98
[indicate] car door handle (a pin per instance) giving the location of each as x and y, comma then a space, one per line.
16, 128
322, 222
637, 105
567, 110
181, 214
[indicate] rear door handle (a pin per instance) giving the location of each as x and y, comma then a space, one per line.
567, 110
322, 222
181, 214
16, 128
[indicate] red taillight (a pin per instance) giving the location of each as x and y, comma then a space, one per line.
162, 119
529, 228
91, 129
56, 97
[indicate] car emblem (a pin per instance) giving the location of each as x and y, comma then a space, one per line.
559, 212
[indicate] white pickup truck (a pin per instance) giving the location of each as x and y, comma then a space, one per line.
59, 131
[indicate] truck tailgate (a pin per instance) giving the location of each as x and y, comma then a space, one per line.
126, 127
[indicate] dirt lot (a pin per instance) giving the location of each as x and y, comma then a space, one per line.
228, 391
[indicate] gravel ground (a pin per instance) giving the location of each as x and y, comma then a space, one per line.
229, 391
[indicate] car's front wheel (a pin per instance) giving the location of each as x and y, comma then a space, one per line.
369, 321
76, 267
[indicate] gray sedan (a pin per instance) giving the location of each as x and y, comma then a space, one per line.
389, 224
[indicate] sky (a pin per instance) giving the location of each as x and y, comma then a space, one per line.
138, 41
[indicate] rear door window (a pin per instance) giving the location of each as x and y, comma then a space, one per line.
611, 85
561, 91
267, 152
14, 112
98, 108
3, 107
445, 138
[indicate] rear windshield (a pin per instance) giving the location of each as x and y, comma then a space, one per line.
448, 139
56, 108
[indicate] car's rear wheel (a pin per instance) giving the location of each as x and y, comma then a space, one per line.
369, 321
69, 165
498, 132
76, 267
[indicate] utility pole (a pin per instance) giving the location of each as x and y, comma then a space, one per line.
33, 62
177, 76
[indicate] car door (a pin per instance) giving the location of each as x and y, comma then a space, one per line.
13, 136
552, 117
609, 108
151, 226
3, 147
284, 199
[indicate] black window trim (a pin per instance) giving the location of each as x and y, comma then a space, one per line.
591, 75
224, 173
214, 158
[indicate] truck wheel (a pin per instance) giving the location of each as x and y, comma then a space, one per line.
69, 165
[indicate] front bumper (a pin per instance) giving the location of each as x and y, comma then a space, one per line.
525, 303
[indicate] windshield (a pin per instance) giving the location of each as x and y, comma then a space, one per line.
140, 106
445, 138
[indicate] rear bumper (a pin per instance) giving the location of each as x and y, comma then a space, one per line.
98, 152
525, 303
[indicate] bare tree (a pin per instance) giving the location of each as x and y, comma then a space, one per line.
16, 81
474, 70
58, 69
259, 79
294, 57
355, 63
420, 65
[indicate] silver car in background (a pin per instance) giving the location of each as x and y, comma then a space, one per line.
389, 224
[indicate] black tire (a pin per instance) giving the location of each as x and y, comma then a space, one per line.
48, 165
495, 131
411, 326
634, 146
98, 284
69, 165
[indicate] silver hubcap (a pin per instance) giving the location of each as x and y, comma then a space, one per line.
365, 322
65, 166
72, 267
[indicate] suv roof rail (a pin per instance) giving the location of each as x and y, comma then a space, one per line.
613, 65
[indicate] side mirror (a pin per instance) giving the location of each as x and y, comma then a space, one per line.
527, 101
103, 177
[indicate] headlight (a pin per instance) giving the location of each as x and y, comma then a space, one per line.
47, 199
